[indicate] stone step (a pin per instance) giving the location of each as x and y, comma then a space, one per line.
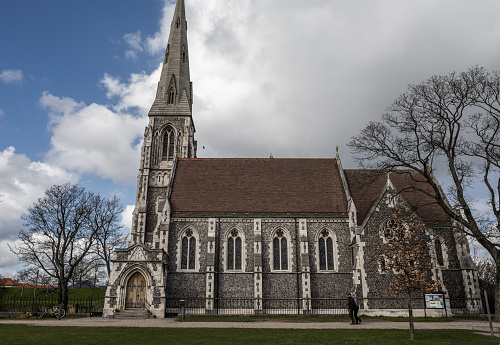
132, 314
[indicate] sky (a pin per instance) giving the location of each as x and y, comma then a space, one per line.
283, 77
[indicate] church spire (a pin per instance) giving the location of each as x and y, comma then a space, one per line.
174, 95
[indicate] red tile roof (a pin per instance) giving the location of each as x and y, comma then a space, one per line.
258, 187
366, 186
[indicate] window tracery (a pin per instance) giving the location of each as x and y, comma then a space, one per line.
280, 251
234, 250
168, 145
326, 251
188, 250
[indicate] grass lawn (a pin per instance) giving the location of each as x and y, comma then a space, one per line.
305, 319
27, 335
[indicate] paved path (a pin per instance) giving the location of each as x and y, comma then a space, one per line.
172, 323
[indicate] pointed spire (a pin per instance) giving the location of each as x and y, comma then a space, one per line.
174, 95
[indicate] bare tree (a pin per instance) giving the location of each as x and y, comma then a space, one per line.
60, 230
447, 125
404, 259
110, 235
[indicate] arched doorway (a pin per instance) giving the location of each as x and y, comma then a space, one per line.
136, 291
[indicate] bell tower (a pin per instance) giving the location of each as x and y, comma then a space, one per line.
168, 136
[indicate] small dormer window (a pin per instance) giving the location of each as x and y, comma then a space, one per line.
171, 96
178, 23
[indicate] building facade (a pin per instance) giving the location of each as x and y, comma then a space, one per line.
262, 230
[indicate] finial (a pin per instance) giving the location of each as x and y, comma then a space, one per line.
271, 157
337, 149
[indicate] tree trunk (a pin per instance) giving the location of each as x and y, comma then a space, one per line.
497, 291
410, 316
63, 293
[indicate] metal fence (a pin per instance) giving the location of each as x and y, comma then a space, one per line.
312, 306
38, 305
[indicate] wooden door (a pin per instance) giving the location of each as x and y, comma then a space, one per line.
136, 291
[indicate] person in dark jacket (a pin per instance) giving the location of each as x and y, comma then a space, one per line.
351, 305
355, 310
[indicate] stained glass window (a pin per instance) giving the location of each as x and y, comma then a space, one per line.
439, 252
325, 248
234, 251
188, 251
280, 251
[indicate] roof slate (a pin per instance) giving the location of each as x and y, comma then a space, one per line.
366, 186
258, 187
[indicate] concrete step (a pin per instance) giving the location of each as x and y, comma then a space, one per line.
132, 314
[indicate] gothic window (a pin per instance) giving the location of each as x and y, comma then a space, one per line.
234, 251
168, 145
178, 23
391, 228
167, 53
171, 91
439, 252
325, 251
183, 54
188, 251
170, 95
280, 251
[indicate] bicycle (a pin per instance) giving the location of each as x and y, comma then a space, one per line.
54, 311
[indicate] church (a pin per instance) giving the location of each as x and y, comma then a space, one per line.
267, 235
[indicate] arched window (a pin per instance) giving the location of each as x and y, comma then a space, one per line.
178, 23
170, 95
280, 251
188, 251
439, 252
168, 145
325, 248
234, 251
183, 54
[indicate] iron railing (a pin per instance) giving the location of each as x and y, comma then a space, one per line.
38, 305
311, 306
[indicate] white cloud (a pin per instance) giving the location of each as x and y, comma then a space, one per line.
11, 76
134, 41
22, 182
138, 93
92, 139
127, 217
2, 113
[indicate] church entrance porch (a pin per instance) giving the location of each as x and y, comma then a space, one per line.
136, 291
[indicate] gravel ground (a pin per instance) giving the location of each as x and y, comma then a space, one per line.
172, 323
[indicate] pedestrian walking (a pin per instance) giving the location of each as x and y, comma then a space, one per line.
356, 309
351, 306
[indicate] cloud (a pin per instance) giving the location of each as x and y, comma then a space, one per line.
92, 139
134, 41
2, 113
127, 217
21, 183
9, 76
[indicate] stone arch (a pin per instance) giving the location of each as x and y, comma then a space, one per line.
231, 235
188, 250
279, 242
327, 254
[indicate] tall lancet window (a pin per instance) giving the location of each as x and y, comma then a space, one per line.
188, 251
168, 145
178, 23
325, 246
280, 251
439, 252
183, 54
170, 95
234, 250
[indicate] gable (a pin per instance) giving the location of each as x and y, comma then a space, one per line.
258, 187
366, 186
